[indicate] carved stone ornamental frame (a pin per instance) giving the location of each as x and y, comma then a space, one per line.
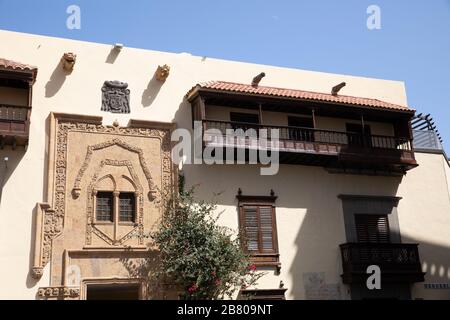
138, 229
50, 215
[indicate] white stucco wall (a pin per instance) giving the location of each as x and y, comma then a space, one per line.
424, 215
310, 218
309, 214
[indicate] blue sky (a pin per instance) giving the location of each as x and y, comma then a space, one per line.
413, 44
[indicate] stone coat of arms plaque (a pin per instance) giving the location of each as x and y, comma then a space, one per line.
115, 97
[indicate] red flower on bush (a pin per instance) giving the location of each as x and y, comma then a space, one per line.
213, 274
218, 282
252, 267
193, 288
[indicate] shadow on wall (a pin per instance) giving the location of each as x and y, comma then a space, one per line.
56, 81
146, 269
30, 281
183, 115
8, 166
151, 92
435, 261
112, 56
312, 223
317, 260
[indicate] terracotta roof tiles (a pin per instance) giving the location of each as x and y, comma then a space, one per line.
296, 94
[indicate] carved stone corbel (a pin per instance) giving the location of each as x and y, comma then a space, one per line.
162, 72
68, 61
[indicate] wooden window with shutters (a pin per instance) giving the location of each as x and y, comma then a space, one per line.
258, 229
372, 228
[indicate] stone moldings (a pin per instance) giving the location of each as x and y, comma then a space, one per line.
76, 190
91, 228
48, 224
57, 293
50, 216
115, 97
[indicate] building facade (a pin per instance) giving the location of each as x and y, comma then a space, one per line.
87, 152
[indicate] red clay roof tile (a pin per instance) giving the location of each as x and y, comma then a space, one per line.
296, 94
17, 66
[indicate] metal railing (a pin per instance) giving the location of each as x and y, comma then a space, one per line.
390, 257
426, 139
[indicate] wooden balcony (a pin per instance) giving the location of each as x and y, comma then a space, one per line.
14, 125
399, 262
331, 149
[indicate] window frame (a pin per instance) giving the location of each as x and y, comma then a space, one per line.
97, 221
115, 208
260, 258
262, 294
134, 207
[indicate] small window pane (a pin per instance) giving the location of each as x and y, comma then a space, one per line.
126, 207
104, 208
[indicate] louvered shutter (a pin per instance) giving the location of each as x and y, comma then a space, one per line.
372, 228
258, 227
266, 228
251, 227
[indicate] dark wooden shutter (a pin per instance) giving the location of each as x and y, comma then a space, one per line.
251, 228
266, 228
258, 227
104, 206
372, 228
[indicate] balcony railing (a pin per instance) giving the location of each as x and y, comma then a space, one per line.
14, 124
13, 113
397, 261
309, 135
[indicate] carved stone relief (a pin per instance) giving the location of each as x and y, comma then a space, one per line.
115, 97
76, 190
138, 229
60, 292
50, 217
